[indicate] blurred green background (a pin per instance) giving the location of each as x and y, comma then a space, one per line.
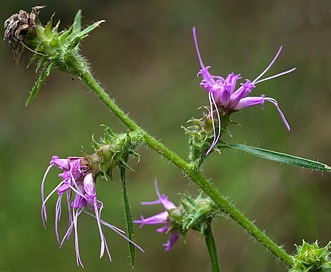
145, 58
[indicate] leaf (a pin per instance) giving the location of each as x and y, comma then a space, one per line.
128, 217
90, 28
42, 76
279, 157
48, 29
76, 36
77, 25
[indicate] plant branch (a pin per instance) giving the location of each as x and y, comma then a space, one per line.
190, 170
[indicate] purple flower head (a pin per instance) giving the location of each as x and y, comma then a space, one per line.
225, 96
78, 185
161, 218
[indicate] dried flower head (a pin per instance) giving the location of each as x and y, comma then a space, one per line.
18, 29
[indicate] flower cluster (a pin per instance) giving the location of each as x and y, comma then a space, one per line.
223, 96
78, 186
162, 218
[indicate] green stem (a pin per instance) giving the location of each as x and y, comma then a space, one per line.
190, 170
210, 243
240, 218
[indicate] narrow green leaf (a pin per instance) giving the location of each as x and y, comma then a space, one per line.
48, 28
128, 217
212, 250
64, 35
42, 76
77, 25
90, 28
279, 157
76, 36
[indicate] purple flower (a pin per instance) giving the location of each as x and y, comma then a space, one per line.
161, 218
78, 185
224, 96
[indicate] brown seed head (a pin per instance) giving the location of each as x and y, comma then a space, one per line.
18, 28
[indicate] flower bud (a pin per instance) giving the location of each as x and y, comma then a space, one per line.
201, 135
112, 150
198, 212
311, 257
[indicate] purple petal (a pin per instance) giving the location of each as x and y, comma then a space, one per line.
63, 188
163, 199
163, 229
231, 82
174, 235
80, 199
168, 205
158, 201
240, 94
252, 101
60, 163
157, 219
76, 169
249, 101
89, 188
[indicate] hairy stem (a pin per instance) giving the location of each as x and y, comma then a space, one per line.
190, 170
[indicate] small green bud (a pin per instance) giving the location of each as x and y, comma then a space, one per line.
201, 134
113, 150
200, 138
195, 213
310, 257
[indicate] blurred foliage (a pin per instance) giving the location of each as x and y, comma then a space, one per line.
145, 57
